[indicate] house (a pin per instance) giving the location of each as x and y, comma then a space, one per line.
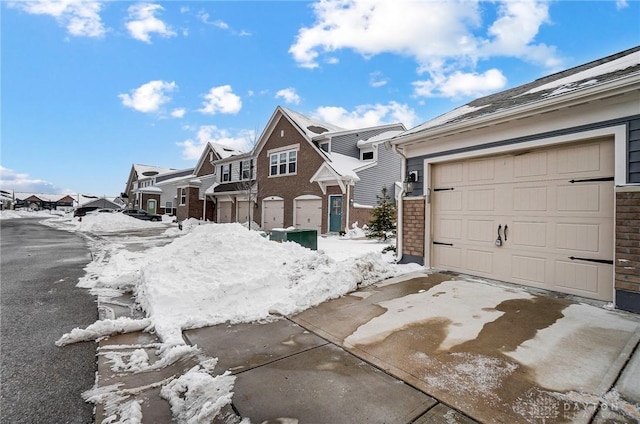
140, 190
99, 202
314, 175
42, 201
537, 185
234, 191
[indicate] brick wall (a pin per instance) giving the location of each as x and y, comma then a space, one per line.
627, 256
360, 215
413, 226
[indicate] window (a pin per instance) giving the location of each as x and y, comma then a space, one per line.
168, 206
226, 172
325, 146
283, 163
367, 155
183, 196
245, 169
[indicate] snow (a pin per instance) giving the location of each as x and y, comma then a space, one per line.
591, 74
443, 119
13, 214
465, 305
207, 274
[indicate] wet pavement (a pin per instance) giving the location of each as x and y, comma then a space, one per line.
432, 348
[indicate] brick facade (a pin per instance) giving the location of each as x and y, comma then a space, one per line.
627, 255
413, 213
360, 215
193, 206
145, 197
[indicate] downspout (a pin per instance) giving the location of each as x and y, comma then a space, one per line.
348, 206
204, 208
399, 233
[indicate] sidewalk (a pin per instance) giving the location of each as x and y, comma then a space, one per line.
432, 349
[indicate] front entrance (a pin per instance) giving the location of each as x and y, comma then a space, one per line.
152, 206
335, 214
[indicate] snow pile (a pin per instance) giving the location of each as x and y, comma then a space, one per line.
9, 215
225, 273
108, 222
20, 213
355, 232
103, 328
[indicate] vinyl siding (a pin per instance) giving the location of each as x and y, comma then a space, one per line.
384, 174
416, 164
347, 144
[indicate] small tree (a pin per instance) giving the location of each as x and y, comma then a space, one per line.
384, 217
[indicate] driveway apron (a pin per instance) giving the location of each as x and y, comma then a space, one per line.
496, 352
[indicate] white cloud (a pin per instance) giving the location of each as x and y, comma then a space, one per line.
289, 95
621, 4
221, 99
441, 36
178, 113
460, 84
81, 18
204, 17
149, 97
377, 79
11, 180
142, 21
368, 115
192, 149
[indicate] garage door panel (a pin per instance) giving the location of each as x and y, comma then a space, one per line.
243, 212
530, 199
529, 269
481, 200
549, 218
272, 214
224, 212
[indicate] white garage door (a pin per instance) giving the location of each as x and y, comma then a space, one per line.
243, 212
272, 214
224, 212
308, 214
553, 211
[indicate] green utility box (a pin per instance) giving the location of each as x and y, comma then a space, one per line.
305, 238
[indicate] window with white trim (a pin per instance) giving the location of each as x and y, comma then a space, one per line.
283, 163
226, 173
325, 146
366, 155
168, 206
183, 196
245, 169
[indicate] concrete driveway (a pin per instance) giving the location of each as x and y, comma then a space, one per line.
426, 348
496, 352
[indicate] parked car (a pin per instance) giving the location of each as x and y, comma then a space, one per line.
142, 214
82, 211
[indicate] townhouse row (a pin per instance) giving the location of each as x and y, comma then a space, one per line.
301, 173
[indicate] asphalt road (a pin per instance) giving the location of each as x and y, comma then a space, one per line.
39, 302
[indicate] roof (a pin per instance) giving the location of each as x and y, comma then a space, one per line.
379, 138
310, 127
571, 80
46, 197
150, 171
224, 151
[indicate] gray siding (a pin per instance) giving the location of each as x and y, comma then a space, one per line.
172, 175
416, 164
384, 174
633, 167
347, 144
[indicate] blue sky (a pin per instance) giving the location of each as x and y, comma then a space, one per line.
89, 88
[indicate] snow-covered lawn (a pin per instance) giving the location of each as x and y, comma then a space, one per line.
211, 274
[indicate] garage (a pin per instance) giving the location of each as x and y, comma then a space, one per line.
272, 213
308, 213
243, 212
224, 212
542, 218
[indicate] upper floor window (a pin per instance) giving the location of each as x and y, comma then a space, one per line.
325, 146
282, 163
245, 169
367, 155
183, 196
226, 172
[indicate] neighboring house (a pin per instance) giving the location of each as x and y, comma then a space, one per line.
140, 190
40, 201
168, 183
193, 201
309, 172
235, 190
100, 203
537, 185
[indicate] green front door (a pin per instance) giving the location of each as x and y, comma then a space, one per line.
335, 214
151, 206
